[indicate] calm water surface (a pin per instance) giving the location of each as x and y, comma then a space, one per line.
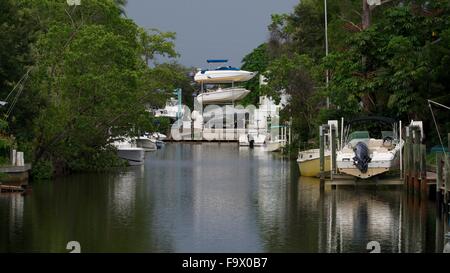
214, 198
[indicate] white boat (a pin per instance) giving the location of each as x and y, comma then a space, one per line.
159, 136
222, 95
225, 74
127, 150
146, 143
171, 110
253, 138
275, 145
364, 156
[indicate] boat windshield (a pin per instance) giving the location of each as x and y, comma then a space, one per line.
227, 68
359, 135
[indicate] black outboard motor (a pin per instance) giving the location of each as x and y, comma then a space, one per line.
251, 141
361, 159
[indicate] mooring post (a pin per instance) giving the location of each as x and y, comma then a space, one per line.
322, 156
447, 181
408, 155
401, 150
414, 165
438, 178
332, 131
423, 171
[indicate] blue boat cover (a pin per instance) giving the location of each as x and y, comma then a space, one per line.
217, 61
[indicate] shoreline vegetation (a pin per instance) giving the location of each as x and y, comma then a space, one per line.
384, 60
91, 73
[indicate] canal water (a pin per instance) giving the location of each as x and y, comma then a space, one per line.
214, 197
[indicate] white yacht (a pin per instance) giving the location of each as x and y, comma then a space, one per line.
363, 155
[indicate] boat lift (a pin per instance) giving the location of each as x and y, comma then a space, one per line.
332, 137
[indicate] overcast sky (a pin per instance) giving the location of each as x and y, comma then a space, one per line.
206, 29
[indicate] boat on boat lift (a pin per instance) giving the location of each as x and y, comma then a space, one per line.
222, 95
363, 155
222, 75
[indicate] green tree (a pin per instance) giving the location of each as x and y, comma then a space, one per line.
256, 61
89, 83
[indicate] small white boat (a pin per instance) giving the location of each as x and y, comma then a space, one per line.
127, 150
171, 110
275, 145
253, 138
225, 74
222, 95
364, 156
159, 136
146, 143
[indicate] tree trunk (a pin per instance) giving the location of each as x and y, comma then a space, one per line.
366, 15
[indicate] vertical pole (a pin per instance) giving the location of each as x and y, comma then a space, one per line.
411, 159
333, 151
366, 15
407, 156
401, 149
438, 178
423, 171
326, 49
342, 133
322, 156
447, 181
290, 131
416, 163
179, 102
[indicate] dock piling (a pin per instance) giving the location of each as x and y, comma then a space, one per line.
322, 156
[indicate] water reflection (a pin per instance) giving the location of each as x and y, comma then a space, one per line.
215, 198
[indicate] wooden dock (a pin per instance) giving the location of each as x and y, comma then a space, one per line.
7, 188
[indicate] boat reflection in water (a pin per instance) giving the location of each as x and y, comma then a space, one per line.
347, 219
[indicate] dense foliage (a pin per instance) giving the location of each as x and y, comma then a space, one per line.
91, 77
390, 65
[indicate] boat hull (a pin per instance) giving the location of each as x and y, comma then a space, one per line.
224, 76
311, 167
258, 140
146, 144
275, 146
222, 95
376, 167
134, 156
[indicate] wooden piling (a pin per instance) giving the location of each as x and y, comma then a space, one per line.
333, 151
438, 178
423, 172
408, 160
322, 156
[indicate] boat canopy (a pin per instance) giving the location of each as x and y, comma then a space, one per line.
228, 68
217, 61
385, 120
221, 68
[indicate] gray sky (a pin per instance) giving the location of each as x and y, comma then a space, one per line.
206, 29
